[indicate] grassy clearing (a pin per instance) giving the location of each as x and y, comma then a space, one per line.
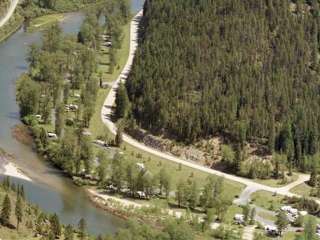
277, 182
290, 236
44, 21
121, 57
267, 216
267, 200
232, 210
302, 189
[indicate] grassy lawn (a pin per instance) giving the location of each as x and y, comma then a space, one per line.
232, 210
266, 200
302, 189
290, 236
44, 21
121, 57
267, 216
277, 182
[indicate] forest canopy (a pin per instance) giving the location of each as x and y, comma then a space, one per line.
245, 68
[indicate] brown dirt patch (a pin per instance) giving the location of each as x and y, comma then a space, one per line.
22, 134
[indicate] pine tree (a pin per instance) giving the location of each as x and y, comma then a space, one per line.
19, 211
6, 210
82, 225
313, 177
118, 139
68, 233
55, 225
122, 102
282, 222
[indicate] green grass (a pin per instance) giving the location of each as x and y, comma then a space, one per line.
277, 182
266, 200
267, 216
231, 212
290, 236
121, 57
44, 21
302, 189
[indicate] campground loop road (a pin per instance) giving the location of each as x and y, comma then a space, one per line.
106, 114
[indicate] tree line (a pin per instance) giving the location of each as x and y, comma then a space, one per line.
63, 75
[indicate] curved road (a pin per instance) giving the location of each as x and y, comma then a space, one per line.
106, 114
5, 19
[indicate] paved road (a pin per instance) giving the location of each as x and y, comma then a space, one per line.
11, 9
106, 114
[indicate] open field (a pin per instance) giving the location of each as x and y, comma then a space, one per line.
302, 189
277, 182
44, 21
266, 200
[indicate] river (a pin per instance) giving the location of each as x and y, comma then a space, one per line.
50, 190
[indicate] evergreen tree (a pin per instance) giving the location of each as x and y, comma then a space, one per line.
19, 210
118, 139
313, 176
55, 226
282, 222
122, 102
6, 210
82, 225
69, 233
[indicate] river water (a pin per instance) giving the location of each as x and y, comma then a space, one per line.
51, 191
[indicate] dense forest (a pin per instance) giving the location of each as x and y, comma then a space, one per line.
243, 68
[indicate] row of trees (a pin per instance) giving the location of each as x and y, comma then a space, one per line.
243, 69
15, 206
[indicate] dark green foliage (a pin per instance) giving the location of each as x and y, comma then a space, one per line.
6, 210
28, 95
122, 102
281, 222
19, 210
69, 233
55, 226
82, 225
207, 67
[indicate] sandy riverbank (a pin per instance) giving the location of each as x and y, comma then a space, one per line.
8, 168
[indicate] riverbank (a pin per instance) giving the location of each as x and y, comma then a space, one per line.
10, 169
12, 26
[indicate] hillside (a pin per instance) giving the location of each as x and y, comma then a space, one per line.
244, 68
